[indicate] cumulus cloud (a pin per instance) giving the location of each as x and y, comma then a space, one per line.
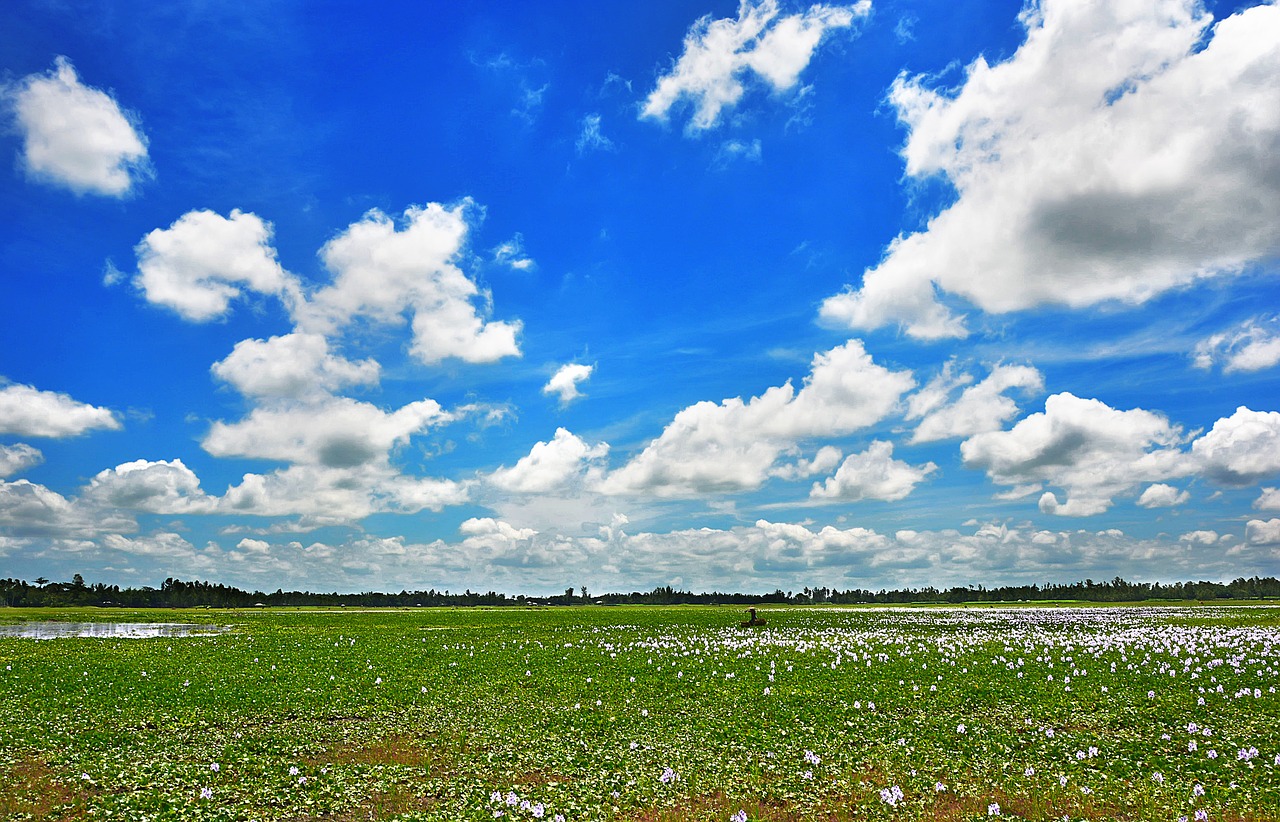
734, 445
1241, 449
873, 474
291, 366
1125, 149
1269, 500
1262, 532
163, 487
759, 46
1253, 346
200, 263
1091, 450
17, 458
326, 495
77, 136
30, 509
1161, 495
564, 383
385, 269
979, 408
336, 432
29, 412
1200, 537
551, 465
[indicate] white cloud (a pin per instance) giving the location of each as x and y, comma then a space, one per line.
17, 458
732, 150
979, 408
1116, 155
383, 271
163, 487
29, 509
29, 412
591, 137
825, 461
1162, 495
1262, 532
564, 382
1241, 449
75, 135
291, 366
1084, 446
335, 432
1253, 346
1200, 537
198, 265
873, 474
550, 465
733, 445
719, 55
327, 495
1269, 500
511, 253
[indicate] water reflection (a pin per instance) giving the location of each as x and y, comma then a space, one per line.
108, 630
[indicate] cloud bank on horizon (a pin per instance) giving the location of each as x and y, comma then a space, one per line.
518, 335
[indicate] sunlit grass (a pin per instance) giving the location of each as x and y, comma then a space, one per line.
651, 714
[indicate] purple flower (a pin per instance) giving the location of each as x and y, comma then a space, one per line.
993, 809
206, 793
668, 776
740, 816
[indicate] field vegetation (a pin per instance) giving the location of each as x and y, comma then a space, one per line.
650, 713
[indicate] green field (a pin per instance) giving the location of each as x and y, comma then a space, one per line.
648, 713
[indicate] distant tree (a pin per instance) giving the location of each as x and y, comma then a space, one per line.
42, 581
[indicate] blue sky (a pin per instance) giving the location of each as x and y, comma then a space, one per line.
518, 297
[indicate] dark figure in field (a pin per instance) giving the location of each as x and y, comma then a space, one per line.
754, 621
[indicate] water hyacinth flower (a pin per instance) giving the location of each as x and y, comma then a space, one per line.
993, 809
1202, 815
740, 816
812, 758
206, 793
939, 787
668, 776
1197, 789
892, 795
213, 766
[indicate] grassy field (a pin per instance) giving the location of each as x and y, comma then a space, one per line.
1136, 713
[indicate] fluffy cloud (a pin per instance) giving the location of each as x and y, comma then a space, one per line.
873, 474
1084, 446
1162, 495
1269, 500
1200, 537
1253, 346
75, 135
733, 445
720, 54
29, 509
979, 408
29, 412
337, 432
383, 271
198, 265
564, 383
291, 366
17, 458
163, 487
550, 465
1125, 149
1241, 449
339, 495
1262, 532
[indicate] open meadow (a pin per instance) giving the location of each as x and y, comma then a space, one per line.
649, 713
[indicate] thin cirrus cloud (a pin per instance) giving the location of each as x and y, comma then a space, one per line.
1124, 150
722, 56
76, 136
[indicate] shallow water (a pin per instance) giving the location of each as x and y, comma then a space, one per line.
108, 630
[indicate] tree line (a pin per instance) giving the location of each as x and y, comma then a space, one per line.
175, 593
